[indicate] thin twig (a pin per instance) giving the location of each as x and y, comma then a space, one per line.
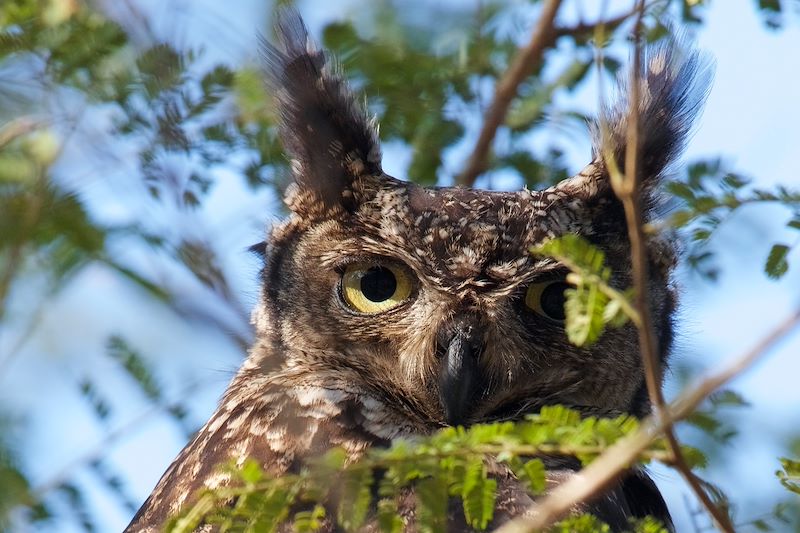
17, 128
587, 28
628, 190
618, 458
542, 37
720, 518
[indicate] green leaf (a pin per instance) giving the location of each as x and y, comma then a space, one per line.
694, 457
649, 525
789, 475
761, 525
432, 496
15, 489
100, 406
162, 68
588, 306
77, 501
388, 519
728, 398
268, 510
135, 366
251, 472
585, 309
309, 521
777, 265
533, 474
584, 523
478, 494
559, 416
356, 496
577, 251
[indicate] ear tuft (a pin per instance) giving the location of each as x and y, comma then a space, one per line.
323, 128
673, 88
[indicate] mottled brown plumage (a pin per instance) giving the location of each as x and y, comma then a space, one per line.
462, 346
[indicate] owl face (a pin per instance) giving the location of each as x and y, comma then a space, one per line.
432, 297
429, 299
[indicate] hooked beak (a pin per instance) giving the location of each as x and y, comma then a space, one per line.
460, 345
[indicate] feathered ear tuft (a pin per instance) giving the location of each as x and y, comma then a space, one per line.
324, 129
673, 88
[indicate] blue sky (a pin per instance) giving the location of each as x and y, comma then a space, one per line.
751, 118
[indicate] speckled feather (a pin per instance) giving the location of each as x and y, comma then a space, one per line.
321, 375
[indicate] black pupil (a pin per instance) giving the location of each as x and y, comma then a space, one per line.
552, 300
378, 284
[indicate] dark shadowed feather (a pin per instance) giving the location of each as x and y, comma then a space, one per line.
324, 129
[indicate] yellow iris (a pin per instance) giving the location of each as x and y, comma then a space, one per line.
375, 288
547, 298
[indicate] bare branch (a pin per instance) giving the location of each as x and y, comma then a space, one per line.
611, 464
627, 190
543, 36
588, 28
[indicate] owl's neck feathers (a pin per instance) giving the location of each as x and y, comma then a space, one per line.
305, 384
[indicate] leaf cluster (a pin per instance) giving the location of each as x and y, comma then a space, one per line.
453, 465
710, 194
592, 303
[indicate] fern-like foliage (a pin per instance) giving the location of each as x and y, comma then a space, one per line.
454, 464
592, 303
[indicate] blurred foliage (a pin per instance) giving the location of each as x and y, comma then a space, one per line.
76, 80
451, 464
14, 485
789, 474
711, 194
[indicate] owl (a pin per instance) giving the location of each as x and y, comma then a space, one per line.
391, 310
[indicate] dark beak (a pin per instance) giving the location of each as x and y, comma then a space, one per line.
460, 345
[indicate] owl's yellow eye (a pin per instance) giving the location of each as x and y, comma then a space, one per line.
547, 299
374, 289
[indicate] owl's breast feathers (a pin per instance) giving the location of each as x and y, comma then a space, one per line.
282, 420
278, 421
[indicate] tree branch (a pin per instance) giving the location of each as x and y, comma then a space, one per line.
610, 465
628, 190
585, 28
543, 36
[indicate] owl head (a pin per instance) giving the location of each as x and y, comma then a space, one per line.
428, 298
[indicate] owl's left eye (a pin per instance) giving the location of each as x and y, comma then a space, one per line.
376, 288
547, 299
